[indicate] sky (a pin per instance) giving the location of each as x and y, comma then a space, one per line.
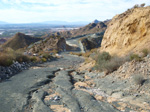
32, 11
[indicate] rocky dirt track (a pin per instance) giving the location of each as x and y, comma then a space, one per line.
50, 88
58, 87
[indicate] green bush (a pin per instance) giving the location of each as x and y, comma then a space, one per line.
135, 57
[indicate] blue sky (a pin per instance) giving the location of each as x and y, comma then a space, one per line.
27, 11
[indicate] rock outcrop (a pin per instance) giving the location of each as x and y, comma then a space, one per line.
128, 32
91, 41
50, 44
7, 72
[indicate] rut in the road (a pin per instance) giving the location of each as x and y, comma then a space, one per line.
76, 100
37, 88
59, 92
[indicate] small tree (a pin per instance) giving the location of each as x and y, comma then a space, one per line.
136, 6
142, 5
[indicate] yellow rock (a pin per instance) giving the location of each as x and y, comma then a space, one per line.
128, 32
59, 108
111, 99
99, 97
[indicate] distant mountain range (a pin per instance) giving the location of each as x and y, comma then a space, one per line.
53, 23
65, 23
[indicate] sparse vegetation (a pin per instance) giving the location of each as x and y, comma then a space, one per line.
86, 54
108, 63
5, 59
142, 5
135, 57
145, 52
46, 56
33, 59
138, 79
74, 53
43, 59
8, 56
136, 6
22, 58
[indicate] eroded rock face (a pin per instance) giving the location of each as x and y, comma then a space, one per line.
91, 41
128, 32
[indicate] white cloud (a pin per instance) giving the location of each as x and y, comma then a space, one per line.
69, 10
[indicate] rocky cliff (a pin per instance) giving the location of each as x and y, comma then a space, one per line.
128, 32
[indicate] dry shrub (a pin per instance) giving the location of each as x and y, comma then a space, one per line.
114, 64
46, 56
9, 55
87, 54
6, 59
33, 59
145, 52
138, 79
106, 62
135, 57
43, 59
142, 5
74, 53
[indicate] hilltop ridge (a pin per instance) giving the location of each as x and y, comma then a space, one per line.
91, 28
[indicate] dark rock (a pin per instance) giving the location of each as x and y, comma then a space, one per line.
92, 41
7, 72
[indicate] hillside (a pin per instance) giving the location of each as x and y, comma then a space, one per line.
51, 44
20, 40
94, 27
128, 32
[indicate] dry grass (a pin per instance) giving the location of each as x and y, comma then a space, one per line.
145, 52
135, 57
8, 56
87, 54
74, 53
